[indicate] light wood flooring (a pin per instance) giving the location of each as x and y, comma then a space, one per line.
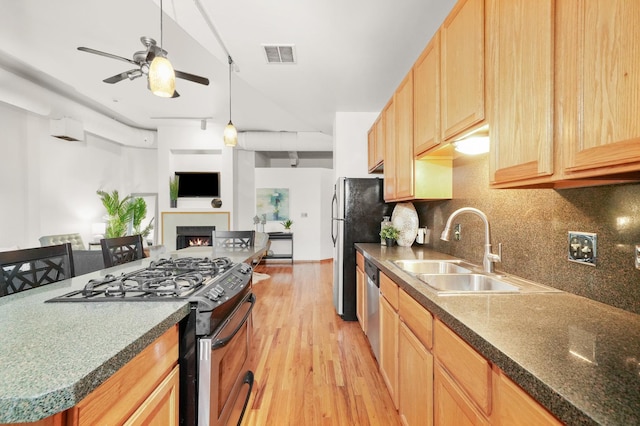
311, 367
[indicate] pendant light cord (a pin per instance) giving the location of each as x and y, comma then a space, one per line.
230, 63
161, 32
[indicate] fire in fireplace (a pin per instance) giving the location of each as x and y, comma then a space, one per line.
187, 236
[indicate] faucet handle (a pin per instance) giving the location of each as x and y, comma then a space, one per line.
496, 257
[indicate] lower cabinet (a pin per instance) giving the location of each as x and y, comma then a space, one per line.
452, 406
389, 322
144, 391
415, 380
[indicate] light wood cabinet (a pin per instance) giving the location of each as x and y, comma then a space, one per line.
146, 383
514, 407
598, 78
389, 323
521, 61
426, 98
462, 69
161, 408
403, 101
361, 292
452, 406
375, 144
389, 152
471, 371
415, 367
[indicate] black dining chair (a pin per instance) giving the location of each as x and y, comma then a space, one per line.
119, 250
34, 267
233, 239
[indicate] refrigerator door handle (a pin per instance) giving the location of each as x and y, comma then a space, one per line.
334, 217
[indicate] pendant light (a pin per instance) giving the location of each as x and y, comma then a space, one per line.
162, 77
230, 132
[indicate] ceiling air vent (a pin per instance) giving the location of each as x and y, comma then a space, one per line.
283, 54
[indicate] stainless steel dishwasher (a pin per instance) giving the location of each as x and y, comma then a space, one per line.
373, 309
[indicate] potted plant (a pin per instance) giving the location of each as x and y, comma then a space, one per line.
119, 213
173, 191
139, 212
390, 234
287, 225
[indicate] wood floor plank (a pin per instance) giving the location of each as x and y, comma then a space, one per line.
311, 367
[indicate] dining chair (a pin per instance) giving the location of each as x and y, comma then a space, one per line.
119, 250
233, 239
34, 267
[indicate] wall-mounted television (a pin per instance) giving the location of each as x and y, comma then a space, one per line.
198, 184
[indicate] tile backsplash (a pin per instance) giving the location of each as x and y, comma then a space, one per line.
533, 226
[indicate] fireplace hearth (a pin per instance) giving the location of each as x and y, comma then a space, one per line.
188, 236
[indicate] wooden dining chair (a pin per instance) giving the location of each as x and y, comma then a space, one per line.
233, 239
116, 251
34, 267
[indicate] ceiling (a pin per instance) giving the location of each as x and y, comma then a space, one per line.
350, 56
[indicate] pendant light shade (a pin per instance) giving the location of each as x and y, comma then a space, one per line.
230, 132
230, 135
162, 77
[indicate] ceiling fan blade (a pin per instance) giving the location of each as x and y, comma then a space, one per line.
192, 77
116, 78
131, 75
108, 55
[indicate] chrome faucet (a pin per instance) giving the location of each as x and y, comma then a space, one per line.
489, 257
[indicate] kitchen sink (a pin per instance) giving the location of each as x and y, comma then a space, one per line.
419, 266
480, 283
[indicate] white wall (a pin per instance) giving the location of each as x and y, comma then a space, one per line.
350, 143
310, 193
48, 185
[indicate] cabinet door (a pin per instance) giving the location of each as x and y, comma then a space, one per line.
520, 40
599, 78
426, 98
462, 68
452, 408
379, 141
514, 407
403, 101
389, 348
161, 407
389, 152
371, 147
415, 381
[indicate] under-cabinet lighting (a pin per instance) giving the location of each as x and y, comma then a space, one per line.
473, 145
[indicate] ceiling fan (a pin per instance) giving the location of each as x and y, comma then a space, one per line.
142, 59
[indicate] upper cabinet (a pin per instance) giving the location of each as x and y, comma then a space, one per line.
520, 83
375, 139
403, 101
598, 87
462, 69
389, 151
426, 98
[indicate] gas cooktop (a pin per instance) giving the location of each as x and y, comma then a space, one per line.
165, 279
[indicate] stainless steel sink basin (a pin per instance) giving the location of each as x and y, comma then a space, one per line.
476, 283
480, 283
419, 266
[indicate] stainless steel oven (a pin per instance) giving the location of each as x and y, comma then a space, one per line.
224, 379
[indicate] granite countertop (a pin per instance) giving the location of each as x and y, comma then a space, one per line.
52, 355
577, 357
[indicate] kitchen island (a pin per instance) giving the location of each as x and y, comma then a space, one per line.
578, 358
52, 355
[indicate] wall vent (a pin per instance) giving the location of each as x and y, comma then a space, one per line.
67, 129
280, 54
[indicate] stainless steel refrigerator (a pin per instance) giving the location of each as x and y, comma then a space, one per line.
357, 210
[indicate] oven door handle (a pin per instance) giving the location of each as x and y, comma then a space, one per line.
220, 343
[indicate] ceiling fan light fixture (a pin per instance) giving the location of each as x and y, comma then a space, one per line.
162, 77
230, 135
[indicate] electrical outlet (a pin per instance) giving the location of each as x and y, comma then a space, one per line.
637, 256
583, 247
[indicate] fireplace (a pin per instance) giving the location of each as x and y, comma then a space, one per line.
187, 236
